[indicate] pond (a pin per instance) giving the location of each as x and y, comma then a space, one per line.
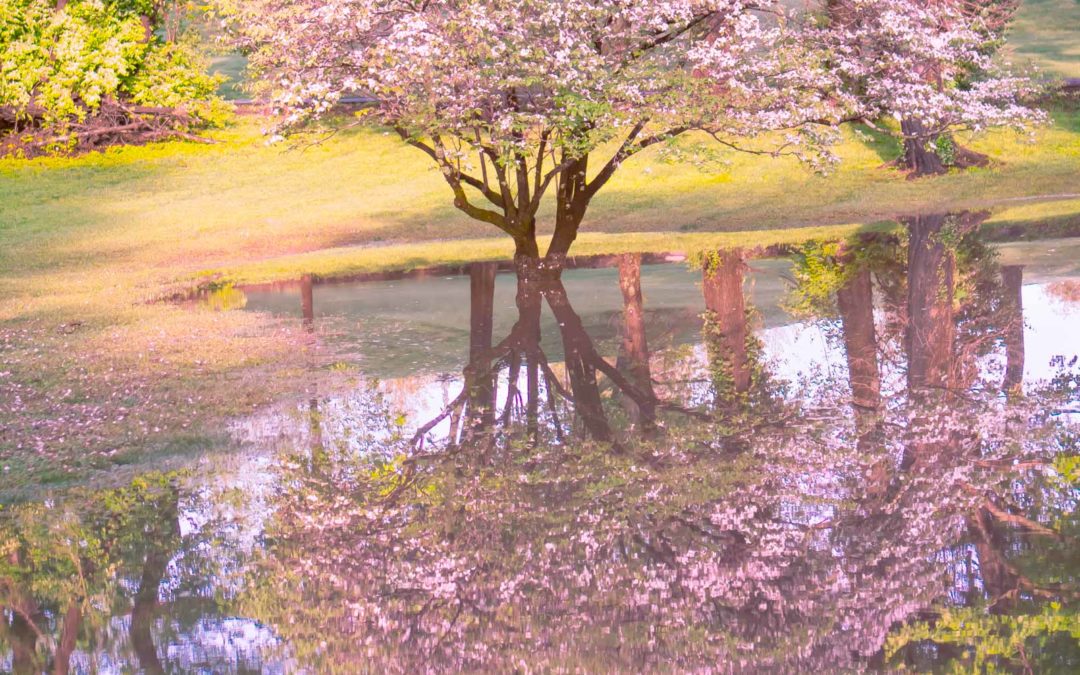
858, 455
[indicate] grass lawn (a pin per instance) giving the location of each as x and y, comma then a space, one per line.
96, 376
1047, 32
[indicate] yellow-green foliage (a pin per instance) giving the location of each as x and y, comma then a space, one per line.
61, 65
993, 642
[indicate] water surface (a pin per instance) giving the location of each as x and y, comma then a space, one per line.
860, 456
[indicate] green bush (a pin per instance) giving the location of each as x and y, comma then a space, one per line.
61, 66
174, 75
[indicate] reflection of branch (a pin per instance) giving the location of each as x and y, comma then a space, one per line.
550, 388
408, 479
634, 393
418, 437
449, 627
552, 380
1008, 463
1022, 581
15, 605
1013, 518
511, 386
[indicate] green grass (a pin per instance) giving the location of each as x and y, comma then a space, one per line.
1047, 33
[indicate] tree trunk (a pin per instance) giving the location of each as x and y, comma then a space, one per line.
726, 330
1013, 310
570, 203
917, 156
633, 357
579, 355
307, 302
69, 635
144, 608
855, 301
525, 247
528, 301
481, 397
931, 283
148, 27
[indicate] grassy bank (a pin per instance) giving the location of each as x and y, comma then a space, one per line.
93, 375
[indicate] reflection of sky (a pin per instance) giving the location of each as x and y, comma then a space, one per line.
803, 352
1051, 337
808, 354
1051, 329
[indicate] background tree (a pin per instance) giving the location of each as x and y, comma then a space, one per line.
931, 65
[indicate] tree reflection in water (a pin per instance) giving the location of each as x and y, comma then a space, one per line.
640, 512
805, 538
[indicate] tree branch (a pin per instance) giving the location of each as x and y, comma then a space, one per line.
472, 181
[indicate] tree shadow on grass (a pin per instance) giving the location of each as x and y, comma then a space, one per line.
886, 146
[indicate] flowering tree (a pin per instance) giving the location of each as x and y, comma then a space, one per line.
931, 65
513, 100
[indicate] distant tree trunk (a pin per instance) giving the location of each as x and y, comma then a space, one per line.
725, 323
855, 301
307, 314
148, 27
144, 608
307, 302
69, 635
633, 357
931, 330
1013, 306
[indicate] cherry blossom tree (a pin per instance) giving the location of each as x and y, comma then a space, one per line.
931, 65
515, 100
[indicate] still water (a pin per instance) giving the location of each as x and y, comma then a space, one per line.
863, 455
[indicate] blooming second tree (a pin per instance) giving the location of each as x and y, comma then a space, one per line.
933, 66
